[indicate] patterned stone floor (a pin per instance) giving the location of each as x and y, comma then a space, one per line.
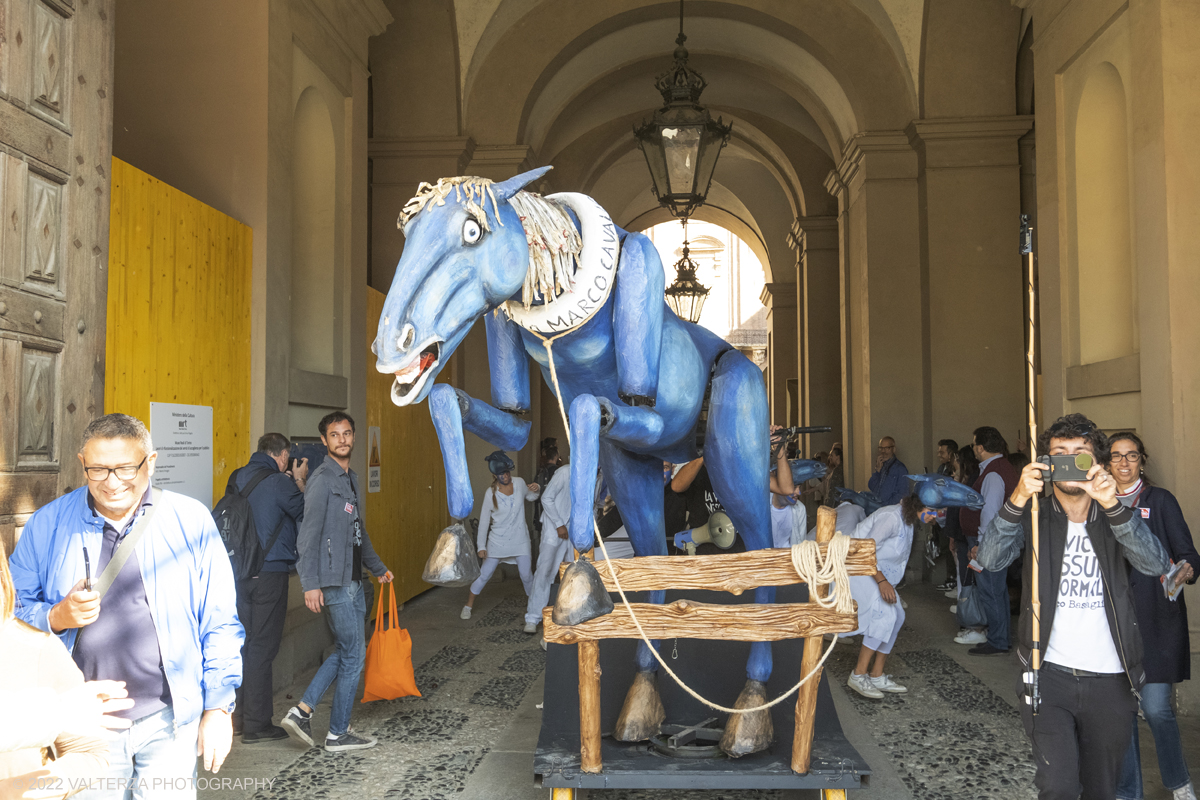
956, 735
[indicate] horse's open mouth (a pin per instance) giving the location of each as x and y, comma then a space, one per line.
412, 377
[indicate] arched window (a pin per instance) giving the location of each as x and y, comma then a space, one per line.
1107, 292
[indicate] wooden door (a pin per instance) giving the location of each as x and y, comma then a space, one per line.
56, 68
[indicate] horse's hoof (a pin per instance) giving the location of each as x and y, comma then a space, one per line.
581, 596
749, 733
643, 714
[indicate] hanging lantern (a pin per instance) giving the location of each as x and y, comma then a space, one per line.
682, 141
686, 295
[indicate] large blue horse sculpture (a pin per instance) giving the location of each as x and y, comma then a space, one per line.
633, 375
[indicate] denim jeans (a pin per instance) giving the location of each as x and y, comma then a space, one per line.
151, 759
346, 611
1156, 705
993, 591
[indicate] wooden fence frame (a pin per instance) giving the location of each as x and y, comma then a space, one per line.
733, 573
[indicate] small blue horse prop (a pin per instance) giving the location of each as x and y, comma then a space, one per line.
554, 277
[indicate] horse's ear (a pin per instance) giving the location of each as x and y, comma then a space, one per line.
508, 188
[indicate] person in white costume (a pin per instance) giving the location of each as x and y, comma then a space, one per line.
880, 613
555, 547
503, 536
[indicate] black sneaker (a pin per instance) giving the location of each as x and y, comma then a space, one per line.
947, 586
298, 725
271, 733
986, 649
348, 741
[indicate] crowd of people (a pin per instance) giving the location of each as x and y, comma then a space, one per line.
150, 644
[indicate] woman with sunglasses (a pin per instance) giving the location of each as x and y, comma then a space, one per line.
1163, 622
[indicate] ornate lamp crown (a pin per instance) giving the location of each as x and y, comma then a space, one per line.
681, 83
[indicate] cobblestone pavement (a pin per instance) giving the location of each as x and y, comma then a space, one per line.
956, 734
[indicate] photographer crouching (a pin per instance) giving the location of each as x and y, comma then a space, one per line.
1091, 649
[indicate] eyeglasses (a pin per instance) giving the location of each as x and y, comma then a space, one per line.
1132, 458
126, 473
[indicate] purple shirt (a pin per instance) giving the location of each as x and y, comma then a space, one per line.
122, 644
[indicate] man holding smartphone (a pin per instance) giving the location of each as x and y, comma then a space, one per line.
1092, 650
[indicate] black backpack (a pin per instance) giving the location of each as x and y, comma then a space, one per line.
235, 521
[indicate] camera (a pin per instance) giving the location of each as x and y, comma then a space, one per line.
1071, 467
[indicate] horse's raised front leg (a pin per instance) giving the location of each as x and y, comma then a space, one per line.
454, 411
638, 320
736, 452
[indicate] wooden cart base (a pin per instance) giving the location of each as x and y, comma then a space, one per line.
717, 670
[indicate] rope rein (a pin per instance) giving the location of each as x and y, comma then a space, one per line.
806, 558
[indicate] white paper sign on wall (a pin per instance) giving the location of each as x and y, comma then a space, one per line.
373, 461
183, 437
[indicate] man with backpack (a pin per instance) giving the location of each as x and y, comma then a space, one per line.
276, 505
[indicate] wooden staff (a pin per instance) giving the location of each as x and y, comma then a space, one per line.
1031, 378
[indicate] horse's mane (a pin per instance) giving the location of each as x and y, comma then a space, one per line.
554, 243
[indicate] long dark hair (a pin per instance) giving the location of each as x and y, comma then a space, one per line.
966, 466
1130, 436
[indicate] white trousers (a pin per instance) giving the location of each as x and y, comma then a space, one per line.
552, 552
488, 569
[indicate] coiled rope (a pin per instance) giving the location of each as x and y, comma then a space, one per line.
806, 559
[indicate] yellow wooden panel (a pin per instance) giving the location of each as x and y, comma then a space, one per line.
178, 311
406, 515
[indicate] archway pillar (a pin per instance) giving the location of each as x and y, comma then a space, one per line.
974, 338
816, 241
780, 300
880, 297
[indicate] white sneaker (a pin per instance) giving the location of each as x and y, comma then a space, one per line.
531, 627
952, 594
971, 637
884, 683
864, 686
954, 608
466, 613
543, 642
1187, 792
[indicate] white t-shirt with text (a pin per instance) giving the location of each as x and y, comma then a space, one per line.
1081, 638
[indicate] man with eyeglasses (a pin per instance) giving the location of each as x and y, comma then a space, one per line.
136, 583
889, 482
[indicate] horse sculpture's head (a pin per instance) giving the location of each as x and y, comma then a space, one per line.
869, 502
805, 469
465, 253
938, 491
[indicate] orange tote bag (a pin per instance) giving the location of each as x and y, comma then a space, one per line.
389, 657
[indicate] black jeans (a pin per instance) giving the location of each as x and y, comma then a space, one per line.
262, 606
1080, 734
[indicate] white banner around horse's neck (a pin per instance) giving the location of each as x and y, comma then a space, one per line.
594, 278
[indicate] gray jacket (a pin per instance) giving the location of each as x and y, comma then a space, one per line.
326, 539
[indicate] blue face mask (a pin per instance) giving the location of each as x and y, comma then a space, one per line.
667, 473
791, 500
504, 478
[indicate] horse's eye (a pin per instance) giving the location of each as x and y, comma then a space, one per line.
471, 231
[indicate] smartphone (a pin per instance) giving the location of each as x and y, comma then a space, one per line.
1071, 467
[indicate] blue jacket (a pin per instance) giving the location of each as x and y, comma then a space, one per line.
276, 497
189, 584
890, 482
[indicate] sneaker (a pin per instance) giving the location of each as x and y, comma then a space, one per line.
971, 637
948, 586
271, 733
954, 608
531, 627
298, 725
1185, 792
348, 741
884, 683
986, 649
465, 613
864, 686
952, 593
543, 642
